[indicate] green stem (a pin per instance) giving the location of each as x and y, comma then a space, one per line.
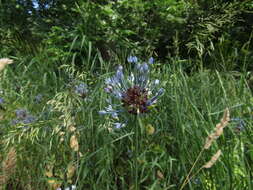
189, 173
136, 143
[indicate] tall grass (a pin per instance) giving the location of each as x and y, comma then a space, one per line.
69, 143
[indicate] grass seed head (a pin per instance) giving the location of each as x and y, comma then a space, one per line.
71, 171
4, 62
214, 158
74, 143
159, 174
218, 129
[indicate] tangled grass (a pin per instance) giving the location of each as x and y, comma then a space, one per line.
68, 145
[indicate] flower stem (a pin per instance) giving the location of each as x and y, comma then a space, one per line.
136, 143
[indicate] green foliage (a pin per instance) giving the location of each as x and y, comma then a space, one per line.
131, 24
187, 29
182, 119
63, 43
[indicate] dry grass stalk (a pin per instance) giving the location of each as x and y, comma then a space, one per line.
218, 129
52, 181
214, 158
74, 143
159, 174
8, 166
4, 62
71, 171
71, 128
209, 140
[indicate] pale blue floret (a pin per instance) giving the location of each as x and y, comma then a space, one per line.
117, 94
151, 60
108, 89
1, 100
144, 68
132, 59
21, 113
119, 125
29, 119
81, 89
154, 98
240, 123
23, 117
38, 98
109, 110
119, 73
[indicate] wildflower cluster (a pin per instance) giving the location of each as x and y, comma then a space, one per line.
136, 93
81, 90
23, 117
240, 124
1, 101
38, 98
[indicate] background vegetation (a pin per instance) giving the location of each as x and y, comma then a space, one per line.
203, 58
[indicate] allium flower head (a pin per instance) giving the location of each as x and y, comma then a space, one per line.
38, 98
1, 101
81, 90
23, 117
21, 113
29, 119
4, 62
119, 125
132, 59
240, 124
151, 60
135, 93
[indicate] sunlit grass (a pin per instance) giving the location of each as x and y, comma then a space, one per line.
71, 144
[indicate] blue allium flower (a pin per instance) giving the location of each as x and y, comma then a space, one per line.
15, 122
111, 111
240, 124
132, 59
135, 93
119, 125
29, 119
21, 113
151, 60
1, 101
23, 117
81, 90
38, 98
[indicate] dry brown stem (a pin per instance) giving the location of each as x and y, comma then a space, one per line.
74, 143
218, 129
214, 158
8, 167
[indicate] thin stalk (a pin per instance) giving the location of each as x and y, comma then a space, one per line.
189, 178
189, 173
136, 144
